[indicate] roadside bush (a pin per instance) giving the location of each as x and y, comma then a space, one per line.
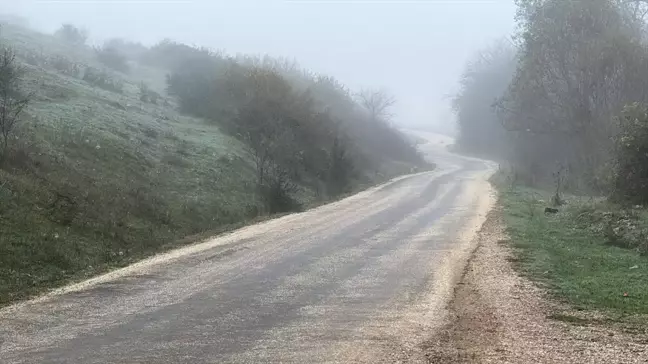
341, 168
112, 58
278, 193
624, 228
631, 174
171, 55
71, 34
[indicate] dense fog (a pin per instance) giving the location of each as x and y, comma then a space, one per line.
414, 49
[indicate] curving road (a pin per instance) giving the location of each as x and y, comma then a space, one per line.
361, 280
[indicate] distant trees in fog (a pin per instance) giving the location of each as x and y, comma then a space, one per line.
559, 92
72, 34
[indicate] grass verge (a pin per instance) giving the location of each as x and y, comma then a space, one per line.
571, 255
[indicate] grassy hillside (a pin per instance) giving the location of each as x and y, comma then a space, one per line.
97, 178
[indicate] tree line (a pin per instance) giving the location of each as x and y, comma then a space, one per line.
303, 131
564, 101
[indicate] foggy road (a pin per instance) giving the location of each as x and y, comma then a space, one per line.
364, 279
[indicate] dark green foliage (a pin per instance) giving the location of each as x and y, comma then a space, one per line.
545, 103
198, 86
277, 193
95, 183
484, 80
103, 79
172, 55
65, 66
71, 34
571, 254
112, 58
341, 170
631, 175
299, 137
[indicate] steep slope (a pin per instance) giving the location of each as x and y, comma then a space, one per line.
100, 177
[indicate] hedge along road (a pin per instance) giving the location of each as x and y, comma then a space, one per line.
364, 279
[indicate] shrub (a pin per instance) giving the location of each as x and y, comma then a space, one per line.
622, 227
171, 55
147, 95
631, 174
103, 79
277, 193
71, 34
112, 58
65, 66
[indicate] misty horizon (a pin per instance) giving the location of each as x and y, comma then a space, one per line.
414, 49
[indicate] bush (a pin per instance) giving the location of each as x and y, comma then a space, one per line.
131, 50
171, 55
71, 34
631, 174
147, 95
65, 66
277, 193
624, 228
103, 79
112, 58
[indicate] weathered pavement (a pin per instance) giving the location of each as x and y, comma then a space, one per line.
364, 279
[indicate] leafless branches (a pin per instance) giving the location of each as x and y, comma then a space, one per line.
378, 103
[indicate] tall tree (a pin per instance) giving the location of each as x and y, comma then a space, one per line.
484, 80
579, 62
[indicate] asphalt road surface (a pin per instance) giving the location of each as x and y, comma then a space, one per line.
363, 280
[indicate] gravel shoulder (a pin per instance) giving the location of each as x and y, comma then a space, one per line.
497, 316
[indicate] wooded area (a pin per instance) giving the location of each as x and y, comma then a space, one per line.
563, 103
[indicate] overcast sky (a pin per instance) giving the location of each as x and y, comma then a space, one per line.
416, 49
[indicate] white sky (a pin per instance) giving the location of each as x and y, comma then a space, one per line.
415, 49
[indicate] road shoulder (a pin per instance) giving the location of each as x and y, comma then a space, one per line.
497, 316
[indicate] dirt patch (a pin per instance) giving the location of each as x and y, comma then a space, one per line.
499, 317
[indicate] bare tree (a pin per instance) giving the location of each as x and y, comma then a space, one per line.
377, 102
12, 101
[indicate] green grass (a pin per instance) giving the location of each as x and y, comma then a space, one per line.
573, 258
98, 179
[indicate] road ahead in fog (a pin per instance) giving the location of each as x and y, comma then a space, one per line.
361, 280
